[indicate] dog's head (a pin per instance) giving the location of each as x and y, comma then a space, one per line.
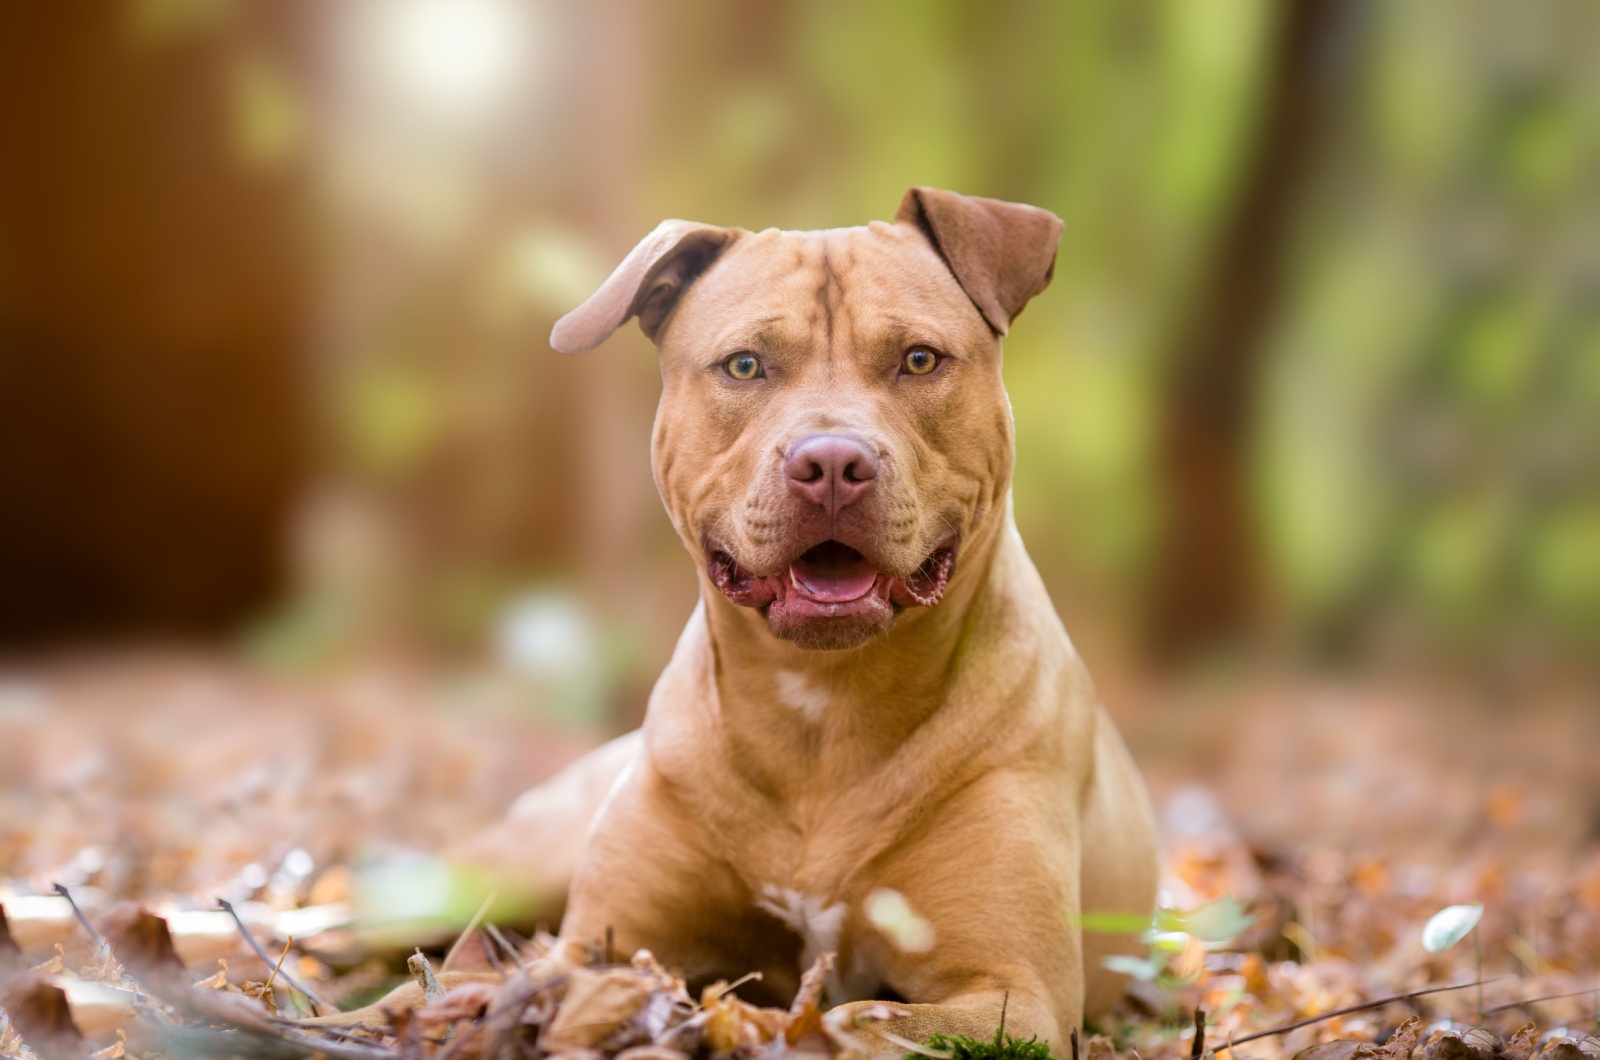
833, 427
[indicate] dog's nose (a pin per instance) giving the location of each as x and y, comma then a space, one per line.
833, 470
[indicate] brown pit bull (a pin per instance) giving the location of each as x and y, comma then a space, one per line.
874, 737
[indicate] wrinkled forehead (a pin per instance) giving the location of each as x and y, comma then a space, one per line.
856, 283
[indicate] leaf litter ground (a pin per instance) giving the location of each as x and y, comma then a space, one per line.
1312, 829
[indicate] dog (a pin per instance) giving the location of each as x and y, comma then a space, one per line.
874, 738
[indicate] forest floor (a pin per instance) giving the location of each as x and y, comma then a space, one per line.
1312, 828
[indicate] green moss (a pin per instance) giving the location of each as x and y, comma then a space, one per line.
960, 1047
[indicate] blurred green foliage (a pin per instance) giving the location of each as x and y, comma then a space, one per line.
1425, 429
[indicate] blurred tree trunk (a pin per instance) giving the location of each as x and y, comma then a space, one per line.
152, 288
1204, 586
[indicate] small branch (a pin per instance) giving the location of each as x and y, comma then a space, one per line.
1285, 1029
491, 953
1198, 1049
737, 983
267, 986
1536, 1000
102, 946
200, 1041
504, 944
316, 1001
472, 925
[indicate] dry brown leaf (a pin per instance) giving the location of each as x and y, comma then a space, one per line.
219, 981
1340, 1049
10, 952
805, 1012
54, 966
142, 942
115, 1051
597, 1005
40, 1013
466, 1001
1099, 1047
403, 998
1522, 1044
729, 1023
1474, 1044
1403, 1042
651, 1052
1400, 1045
98, 1008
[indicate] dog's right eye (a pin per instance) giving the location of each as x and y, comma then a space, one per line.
743, 366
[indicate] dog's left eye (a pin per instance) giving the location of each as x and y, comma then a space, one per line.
920, 360
743, 366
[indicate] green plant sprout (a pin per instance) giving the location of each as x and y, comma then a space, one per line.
1167, 933
960, 1047
1449, 926
1001, 1047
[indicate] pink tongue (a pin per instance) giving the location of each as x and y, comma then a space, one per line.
832, 576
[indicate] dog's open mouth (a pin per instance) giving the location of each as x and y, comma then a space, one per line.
831, 579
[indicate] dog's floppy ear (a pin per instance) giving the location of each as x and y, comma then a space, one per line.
647, 284
1002, 253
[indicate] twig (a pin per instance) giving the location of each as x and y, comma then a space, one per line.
737, 983
472, 925
1197, 1050
1536, 1000
334, 1032
504, 943
275, 968
102, 944
491, 953
200, 1041
1074, 1043
291, 980
1382, 1001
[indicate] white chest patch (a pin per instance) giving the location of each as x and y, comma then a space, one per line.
816, 922
795, 692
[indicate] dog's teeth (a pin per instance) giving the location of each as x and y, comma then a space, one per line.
792, 580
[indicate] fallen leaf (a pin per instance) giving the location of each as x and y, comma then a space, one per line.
1399, 1046
219, 981
1522, 1044
142, 942
805, 1012
41, 1014
597, 1005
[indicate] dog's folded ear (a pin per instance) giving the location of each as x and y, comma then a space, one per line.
647, 284
1002, 253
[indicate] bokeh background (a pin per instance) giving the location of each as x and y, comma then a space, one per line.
1308, 423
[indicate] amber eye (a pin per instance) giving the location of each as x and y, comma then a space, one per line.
920, 360
743, 366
